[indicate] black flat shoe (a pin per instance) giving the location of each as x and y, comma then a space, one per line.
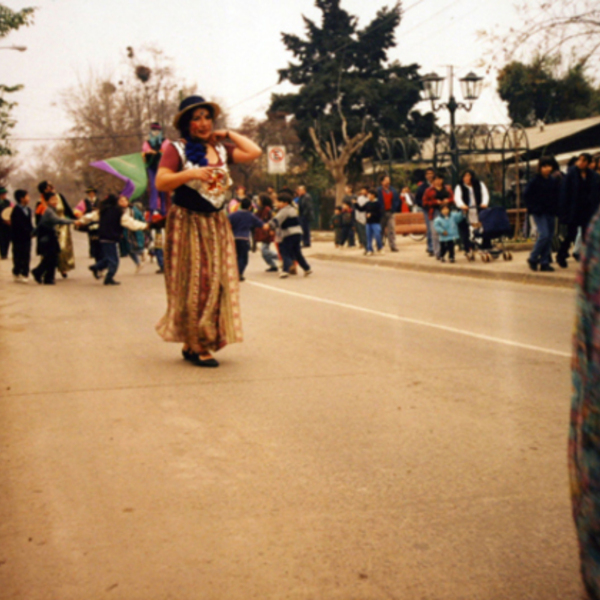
532, 264
189, 355
205, 362
94, 272
112, 282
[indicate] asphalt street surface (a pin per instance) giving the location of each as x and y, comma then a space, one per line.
379, 435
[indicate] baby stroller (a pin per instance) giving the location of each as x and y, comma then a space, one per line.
488, 233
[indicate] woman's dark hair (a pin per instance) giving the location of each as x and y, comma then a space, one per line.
195, 150
475, 184
265, 200
42, 185
20, 194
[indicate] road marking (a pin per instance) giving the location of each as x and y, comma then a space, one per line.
478, 336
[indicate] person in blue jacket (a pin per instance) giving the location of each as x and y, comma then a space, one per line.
242, 222
389, 203
446, 225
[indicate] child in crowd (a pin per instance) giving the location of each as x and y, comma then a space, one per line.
360, 218
266, 236
287, 224
373, 211
242, 222
48, 245
446, 226
21, 227
336, 225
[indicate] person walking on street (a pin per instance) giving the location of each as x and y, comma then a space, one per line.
579, 201
389, 204
306, 210
242, 223
48, 241
541, 199
286, 221
5, 235
66, 255
85, 207
201, 279
114, 218
21, 223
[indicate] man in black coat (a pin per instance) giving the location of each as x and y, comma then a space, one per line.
579, 201
21, 228
306, 211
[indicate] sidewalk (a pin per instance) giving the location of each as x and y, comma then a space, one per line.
413, 257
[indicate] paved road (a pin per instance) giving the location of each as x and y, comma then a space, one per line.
380, 435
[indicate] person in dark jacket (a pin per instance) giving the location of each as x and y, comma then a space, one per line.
306, 212
541, 199
389, 204
48, 245
21, 225
113, 217
373, 210
579, 201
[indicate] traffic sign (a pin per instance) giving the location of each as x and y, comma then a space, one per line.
276, 156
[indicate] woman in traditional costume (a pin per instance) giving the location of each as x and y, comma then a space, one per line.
584, 438
201, 277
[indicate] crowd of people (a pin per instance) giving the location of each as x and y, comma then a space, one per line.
370, 214
560, 207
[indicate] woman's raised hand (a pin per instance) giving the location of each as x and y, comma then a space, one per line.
219, 135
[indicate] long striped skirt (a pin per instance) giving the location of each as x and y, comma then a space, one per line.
203, 307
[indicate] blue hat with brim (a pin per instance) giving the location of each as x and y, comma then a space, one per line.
192, 102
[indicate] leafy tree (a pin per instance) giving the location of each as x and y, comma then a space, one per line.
348, 92
10, 21
538, 92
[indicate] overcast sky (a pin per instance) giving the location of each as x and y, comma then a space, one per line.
230, 49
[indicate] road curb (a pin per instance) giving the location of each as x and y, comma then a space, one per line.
529, 278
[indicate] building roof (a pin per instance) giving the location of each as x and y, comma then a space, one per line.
543, 135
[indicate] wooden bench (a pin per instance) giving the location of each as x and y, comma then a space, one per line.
407, 223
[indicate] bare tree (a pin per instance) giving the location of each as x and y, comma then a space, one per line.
337, 156
111, 115
566, 28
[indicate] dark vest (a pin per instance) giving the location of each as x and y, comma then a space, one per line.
110, 224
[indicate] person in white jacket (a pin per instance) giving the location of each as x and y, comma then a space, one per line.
471, 195
113, 217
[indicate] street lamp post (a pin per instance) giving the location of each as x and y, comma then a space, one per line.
432, 90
